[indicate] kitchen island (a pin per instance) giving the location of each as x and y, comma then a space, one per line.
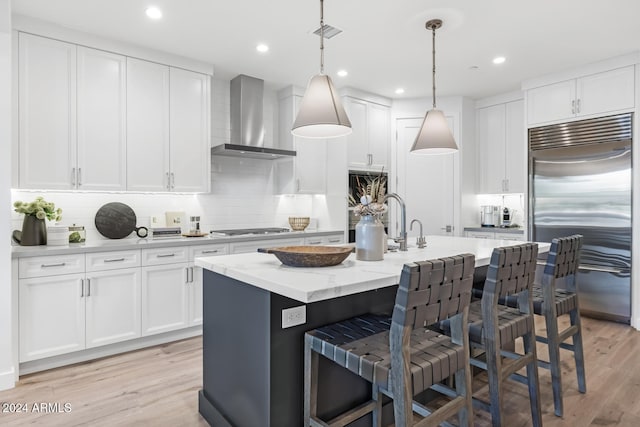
253, 366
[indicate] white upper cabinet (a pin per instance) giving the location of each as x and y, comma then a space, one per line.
306, 173
101, 119
591, 95
501, 148
47, 113
147, 126
167, 128
368, 145
71, 116
94, 120
189, 130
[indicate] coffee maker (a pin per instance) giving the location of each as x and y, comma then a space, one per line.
490, 216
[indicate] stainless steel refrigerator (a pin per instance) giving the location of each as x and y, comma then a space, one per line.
580, 182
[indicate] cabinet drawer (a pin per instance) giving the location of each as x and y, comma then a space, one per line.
100, 261
324, 240
510, 236
165, 255
51, 265
207, 250
252, 246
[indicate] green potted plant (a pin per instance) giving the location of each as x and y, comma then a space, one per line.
34, 229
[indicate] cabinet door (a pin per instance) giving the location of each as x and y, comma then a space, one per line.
515, 148
195, 295
112, 306
310, 166
52, 311
165, 301
357, 145
101, 120
378, 117
46, 113
551, 102
147, 126
491, 149
189, 131
480, 234
606, 92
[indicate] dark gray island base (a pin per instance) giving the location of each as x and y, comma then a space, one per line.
253, 369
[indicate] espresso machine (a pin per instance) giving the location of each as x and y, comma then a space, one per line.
490, 216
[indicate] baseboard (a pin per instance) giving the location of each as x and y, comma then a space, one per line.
107, 350
8, 379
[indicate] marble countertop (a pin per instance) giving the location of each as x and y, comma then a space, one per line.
308, 285
137, 243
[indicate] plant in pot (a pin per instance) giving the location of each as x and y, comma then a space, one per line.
34, 229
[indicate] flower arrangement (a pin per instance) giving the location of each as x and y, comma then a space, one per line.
371, 196
39, 208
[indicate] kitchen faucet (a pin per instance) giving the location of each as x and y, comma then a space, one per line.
403, 220
420, 240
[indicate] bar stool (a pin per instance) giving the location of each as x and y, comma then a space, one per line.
407, 357
551, 302
493, 326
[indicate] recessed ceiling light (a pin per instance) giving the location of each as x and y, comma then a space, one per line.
499, 59
262, 48
399, 91
343, 73
153, 12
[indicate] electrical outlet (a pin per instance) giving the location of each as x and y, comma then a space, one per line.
294, 316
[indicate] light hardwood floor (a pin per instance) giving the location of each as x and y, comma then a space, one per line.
158, 387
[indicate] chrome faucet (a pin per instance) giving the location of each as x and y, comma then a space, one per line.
402, 239
420, 240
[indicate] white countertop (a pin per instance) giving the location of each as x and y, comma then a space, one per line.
138, 243
308, 285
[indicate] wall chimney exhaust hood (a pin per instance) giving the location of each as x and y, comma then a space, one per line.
247, 127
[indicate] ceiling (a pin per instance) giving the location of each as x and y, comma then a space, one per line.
384, 44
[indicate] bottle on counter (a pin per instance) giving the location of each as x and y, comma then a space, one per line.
77, 234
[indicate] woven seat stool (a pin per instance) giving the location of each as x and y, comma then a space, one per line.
403, 358
551, 302
493, 328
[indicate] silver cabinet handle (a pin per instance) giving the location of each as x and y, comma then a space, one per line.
114, 260
168, 181
62, 264
297, 184
81, 288
369, 159
213, 251
186, 275
165, 255
315, 242
578, 105
335, 240
88, 287
79, 177
173, 180
573, 106
191, 269
73, 177
506, 184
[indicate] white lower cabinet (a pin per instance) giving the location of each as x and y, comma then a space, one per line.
196, 279
52, 313
164, 298
112, 306
324, 240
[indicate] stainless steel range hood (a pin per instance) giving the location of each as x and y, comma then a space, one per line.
247, 126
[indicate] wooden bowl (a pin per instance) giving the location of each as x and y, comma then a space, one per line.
309, 256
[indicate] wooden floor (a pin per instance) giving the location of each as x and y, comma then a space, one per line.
159, 386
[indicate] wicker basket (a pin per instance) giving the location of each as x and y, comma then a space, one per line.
298, 223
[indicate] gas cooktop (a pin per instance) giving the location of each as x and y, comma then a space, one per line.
241, 231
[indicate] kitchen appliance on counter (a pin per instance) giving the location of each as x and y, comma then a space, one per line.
490, 216
580, 183
507, 217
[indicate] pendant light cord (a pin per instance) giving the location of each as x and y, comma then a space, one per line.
322, 37
433, 56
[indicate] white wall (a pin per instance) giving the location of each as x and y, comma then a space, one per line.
7, 371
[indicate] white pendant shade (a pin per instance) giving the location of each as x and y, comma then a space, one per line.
434, 136
321, 114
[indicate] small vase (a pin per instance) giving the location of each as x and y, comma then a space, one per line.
369, 239
34, 231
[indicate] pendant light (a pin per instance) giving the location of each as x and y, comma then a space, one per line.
321, 114
434, 136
